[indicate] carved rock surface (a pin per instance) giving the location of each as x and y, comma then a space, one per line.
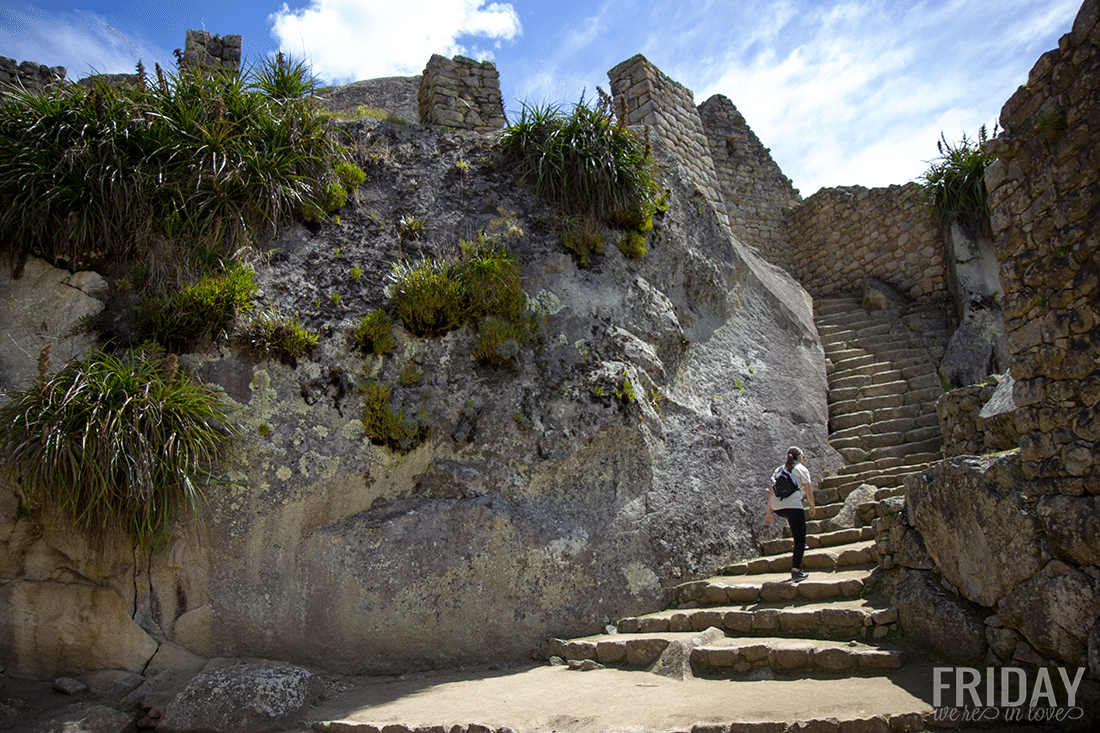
975, 524
938, 621
42, 307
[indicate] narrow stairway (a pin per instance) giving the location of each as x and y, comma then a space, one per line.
883, 387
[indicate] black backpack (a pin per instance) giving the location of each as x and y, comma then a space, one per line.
784, 485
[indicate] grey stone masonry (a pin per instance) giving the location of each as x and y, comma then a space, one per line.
202, 49
758, 197
645, 96
461, 93
28, 74
841, 235
1044, 194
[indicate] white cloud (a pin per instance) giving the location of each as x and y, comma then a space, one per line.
348, 40
81, 42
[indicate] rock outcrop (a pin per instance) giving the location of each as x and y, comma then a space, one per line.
541, 503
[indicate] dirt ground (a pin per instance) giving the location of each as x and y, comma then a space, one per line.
545, 699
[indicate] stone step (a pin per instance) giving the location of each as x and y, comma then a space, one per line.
837, 619
731, 655
857, 402
829, 539
829, 557
824, 307
770, 587
872, 375
742, 656
852, 361
869, 469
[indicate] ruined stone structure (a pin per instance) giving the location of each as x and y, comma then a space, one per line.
202, 49
996, 557
757, 196
461, 93
645, 96
1044, 189
29, 75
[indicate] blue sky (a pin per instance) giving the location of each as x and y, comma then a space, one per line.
844, 93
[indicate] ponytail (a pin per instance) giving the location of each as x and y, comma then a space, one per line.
793, 454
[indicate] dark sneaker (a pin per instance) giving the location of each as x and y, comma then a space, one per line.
797, 576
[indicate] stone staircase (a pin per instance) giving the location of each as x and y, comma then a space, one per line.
883, 387
766, 625
750, 621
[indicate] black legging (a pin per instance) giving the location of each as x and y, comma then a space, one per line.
796, 520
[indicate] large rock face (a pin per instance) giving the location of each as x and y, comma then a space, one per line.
975, 524
538, 506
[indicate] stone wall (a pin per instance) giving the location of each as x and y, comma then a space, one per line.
960, 419
28, 74
461, 93
839, 236
984, 572
1044, 192
645, 96
757, 196
206, 50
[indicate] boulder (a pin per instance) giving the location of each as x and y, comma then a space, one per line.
1070, 523
938, 621
102, 719
976, 348
1055, 611
999, 417
56, 628
675, 660
242, 698
975, 524
848, 516
881, 295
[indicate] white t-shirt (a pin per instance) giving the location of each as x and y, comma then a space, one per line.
801, 476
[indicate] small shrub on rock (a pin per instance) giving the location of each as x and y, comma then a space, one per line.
271, 333
182, 319
372, 333
391, 428
632, 245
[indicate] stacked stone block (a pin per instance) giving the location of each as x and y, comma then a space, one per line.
758, 197
29, 75
960, 422
1044, 192
461, 93
841, 235
205, 50
645, 96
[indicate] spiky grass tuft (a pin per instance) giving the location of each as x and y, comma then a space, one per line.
116, 445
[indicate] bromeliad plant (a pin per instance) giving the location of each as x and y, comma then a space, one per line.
107, 172
115, 445
587, 163
954, 184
